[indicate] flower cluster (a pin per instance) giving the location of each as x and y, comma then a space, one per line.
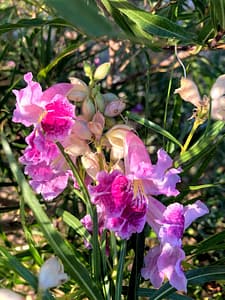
123, 188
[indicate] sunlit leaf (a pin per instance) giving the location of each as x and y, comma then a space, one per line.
84, 15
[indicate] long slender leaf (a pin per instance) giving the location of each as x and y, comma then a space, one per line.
16, 265
36, 22
152, 24
58, 244
68, 51
73, 222
153, 126
119, 278
83, 15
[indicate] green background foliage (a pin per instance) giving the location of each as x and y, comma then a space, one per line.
142, 40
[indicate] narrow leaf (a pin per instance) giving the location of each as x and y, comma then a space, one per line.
153, 126
83, 15
152, 24
27, 23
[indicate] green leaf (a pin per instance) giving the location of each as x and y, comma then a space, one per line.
16, 265
119, 279
61, 248
83, 15
151, 24
66, 52
73, 222
214, 242
144, 292
154, 127
27, 23
204, 145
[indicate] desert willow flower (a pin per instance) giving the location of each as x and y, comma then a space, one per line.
217, 94
51, 274
6, 294
188, 91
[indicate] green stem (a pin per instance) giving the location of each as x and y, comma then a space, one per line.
196, 124
76, 174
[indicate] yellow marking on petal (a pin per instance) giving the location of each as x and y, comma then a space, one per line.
42, 115
138, 187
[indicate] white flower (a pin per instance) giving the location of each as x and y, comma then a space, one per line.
51, 274
6, 294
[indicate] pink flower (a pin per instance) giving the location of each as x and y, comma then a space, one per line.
165, 261
58, 119
46, 180
152, 179
124, 213
31, 101
169, 224
39, 149
28, 105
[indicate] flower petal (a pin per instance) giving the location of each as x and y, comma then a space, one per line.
194, 211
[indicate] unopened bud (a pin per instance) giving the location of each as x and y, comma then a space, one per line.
116, 137
101, 71
90, 163
100, 102
97, 124
108, 97
114, 108
79, 90
88, 109
88, 70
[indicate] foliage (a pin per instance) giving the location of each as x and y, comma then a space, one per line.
150, 45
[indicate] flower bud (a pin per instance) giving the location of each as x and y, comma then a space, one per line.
97, 124
90, 162
88, 70
79, 90
51, 274
114, 108
102, 71
108, 97
75, 146
88, 109
100, 102
6, 294
116, 137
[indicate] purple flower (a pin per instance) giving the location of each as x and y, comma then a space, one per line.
47, 181
169, 224
165, 261
124, 213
